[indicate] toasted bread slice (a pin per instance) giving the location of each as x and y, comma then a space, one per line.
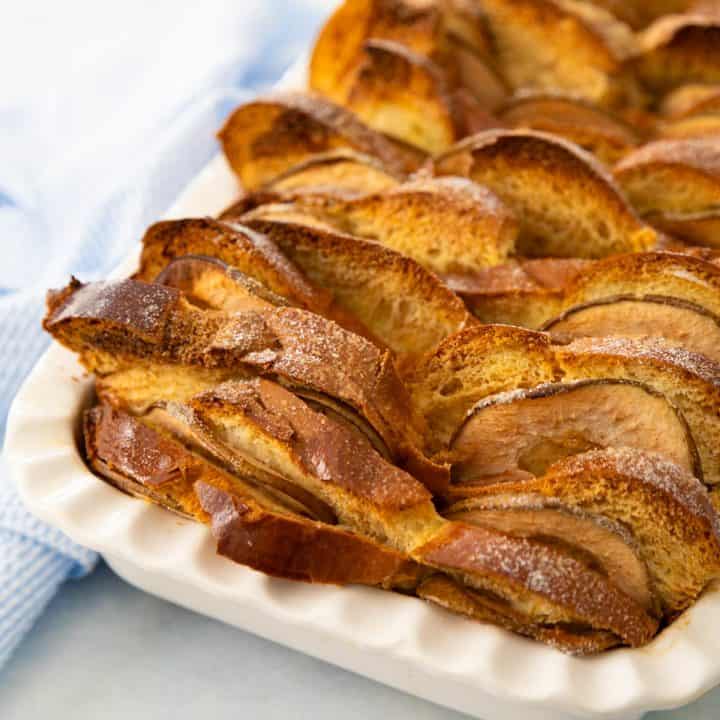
675, 184
590, 127
646, 522
251, 527
672, 176
128, 329
341, 172
404, 95
406, 306
451, 33
263, 138
567, 204
449, 225
693, 126
564, 46
679, 49
486, 360
243, 250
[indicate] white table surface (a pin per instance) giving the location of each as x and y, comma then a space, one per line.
105, 650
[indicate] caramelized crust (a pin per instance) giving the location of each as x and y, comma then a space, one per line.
303, 350
402, 303
567, 204
264, 138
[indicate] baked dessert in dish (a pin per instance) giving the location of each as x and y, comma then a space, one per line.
459, 335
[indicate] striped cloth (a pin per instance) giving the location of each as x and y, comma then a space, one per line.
129, 124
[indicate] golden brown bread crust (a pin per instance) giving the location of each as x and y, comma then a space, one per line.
448, 225
118, 324
342, 172
332, 452
587, 58
592, 128
672, 176
248, 527
444, 31
679, 49
567, 204
404, 95
242, 248
407, 307
295, 549
263, 138
691, 99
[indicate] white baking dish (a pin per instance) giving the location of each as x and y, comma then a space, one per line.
403, 642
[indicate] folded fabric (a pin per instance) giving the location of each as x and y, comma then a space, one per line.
91, 205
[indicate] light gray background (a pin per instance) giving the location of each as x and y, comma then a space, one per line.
105, 651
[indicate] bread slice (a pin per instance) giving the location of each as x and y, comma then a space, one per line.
486, 360
249, 523
147, 343
243, 250
563, 46
263, 138
679, 49
340, 172
451, 34
406, 306
592, 128
449, 225
673, 182
404, 95
646, 522
567, 204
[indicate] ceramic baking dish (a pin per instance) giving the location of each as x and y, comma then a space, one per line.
400, 641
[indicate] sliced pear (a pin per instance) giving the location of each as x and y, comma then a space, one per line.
518, 434
603, 544
678, 321
210, 283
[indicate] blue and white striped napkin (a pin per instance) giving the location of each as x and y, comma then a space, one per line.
99, 132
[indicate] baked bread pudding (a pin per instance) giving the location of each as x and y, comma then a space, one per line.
459, 335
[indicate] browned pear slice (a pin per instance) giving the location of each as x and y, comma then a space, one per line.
605, 545
519, 434
210, 283
680, 322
